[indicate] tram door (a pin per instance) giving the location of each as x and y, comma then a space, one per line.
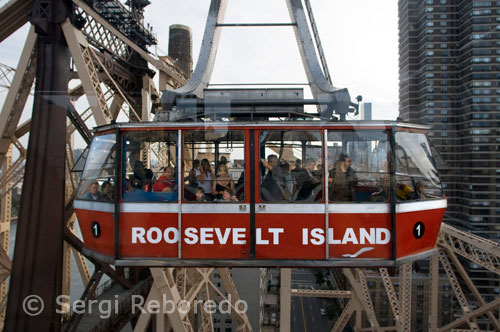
289, 195
216, 204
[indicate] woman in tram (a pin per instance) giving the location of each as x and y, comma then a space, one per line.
142, 179
108, 191
206, 177
192, 181
342, 180
420, 190
222, 182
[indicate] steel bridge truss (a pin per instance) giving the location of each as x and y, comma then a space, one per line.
104, 80
453, 246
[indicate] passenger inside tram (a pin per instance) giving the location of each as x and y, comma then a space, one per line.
206, 177
223, 181
227, 196
240, 186
301, 184
94, 194
297, 168
358, 166
342, 180
108, 191
420, 190
290, 181
142, 178
308, 183
200, 195
222, 161
404, 192
166, 182
273, 188
191, 181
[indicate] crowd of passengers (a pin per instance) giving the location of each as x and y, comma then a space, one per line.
105, 194
305, 183
279, 183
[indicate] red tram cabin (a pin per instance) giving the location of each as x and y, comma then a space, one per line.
260, 194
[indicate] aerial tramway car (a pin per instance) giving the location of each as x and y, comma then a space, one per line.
250, 177
255, 193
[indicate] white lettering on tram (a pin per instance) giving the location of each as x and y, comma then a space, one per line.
234, 236
192, 235
259, 240
276, 235
138, 234
316, 236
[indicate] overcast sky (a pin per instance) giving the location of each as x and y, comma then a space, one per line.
359, 38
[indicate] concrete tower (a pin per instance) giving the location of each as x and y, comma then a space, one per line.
180, 47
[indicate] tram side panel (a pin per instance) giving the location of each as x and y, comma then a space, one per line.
365, 234
97, 229
148, 235
289, 234
216, 235
417, 226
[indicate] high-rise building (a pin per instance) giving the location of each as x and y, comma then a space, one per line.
366, 111
449, 73
449, 60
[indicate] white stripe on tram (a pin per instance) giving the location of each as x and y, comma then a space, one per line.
149, 207
215, 208
94, 206
186, 208
260, 208
290, 208
359, 208
421, 205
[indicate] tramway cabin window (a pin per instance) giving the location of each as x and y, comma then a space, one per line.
150, 166
98, 177
358, 166
214, 166
291, 166
416, 173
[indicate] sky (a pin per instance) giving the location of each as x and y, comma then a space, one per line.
359, 38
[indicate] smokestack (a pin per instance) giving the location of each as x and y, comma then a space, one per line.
180, 47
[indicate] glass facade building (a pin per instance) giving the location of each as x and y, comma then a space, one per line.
449, 79
449, 60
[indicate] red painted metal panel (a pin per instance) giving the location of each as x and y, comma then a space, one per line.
105, 243
290, 240
363, 235
278, 236
407, 244
132, 223
220, 232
